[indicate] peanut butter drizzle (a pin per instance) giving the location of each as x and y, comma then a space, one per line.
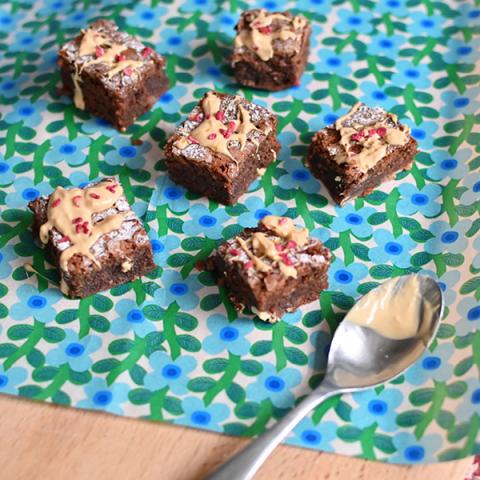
263, 246
90, 41
374, 147
70, 213
285, 227
262, 42
208, 133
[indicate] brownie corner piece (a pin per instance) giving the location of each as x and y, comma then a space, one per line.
94, 238
271, 49
361, 150
271, 269
111, 74
222, 147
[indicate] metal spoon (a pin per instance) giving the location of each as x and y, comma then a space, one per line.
359, 358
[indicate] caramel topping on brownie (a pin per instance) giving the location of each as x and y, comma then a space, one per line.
72, 213
367, 134
266, 29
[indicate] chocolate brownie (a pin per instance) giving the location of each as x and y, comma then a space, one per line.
271, 49
93, 236
111, 74
222, 147
360, 151
272, 269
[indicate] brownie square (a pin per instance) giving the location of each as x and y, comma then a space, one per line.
272, 269
360, 151
222, 147
94, 238
271, 49
111, 74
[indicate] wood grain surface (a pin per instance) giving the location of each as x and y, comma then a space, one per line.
47, 442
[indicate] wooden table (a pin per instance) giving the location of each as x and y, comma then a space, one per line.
47, 442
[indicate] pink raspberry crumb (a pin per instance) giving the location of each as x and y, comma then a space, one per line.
220, 115
99, 51
146, 52
212, 136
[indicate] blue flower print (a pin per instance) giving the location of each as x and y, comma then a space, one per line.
426, 25
375, 95
469, 311
476, 259
75, 351
379, 408
26, 112
423, 200
146, 17
54, 7
455, 104
9, 20
7, 255
100, 125
169, 102
71, 151
78, 18
460, 51
298, 177
470, 403
10, 87
209, 73
446, 283
162, 247
205, 6
26, 41
101, 396
359, 22
171, 194
258, 210
424, 133
7, 175
79, 179
26, 191
472, 194
130, 319
274, 385
127, 154
321, 341
386, 45
169, 373
347, 218
398, 8
300, 92
205, 222
10, 379
335, 63
33, 304
307, 434
346, 279
224, 22
391, 249
48, 62
321, 233
447, 238
409, 74
229, 336
445, 165
432, 366
292, 317
469, 15
177, 289
314, 5
326, 117
174, 42
411, 450
197, 414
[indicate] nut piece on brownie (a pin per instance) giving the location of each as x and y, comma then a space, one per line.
360, 151
222, 147
111, 74
272, 269
94, 238
271, 49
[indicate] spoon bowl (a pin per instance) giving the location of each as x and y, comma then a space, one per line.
364, 353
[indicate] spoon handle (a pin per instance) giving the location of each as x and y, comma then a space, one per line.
245, 464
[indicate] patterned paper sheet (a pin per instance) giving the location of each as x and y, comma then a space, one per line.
169, 347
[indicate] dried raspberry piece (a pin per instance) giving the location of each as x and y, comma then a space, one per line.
198, 117
291, 244
225, 133
234, 252
64, 239
99, 51
265, 30
232, 125
128, 71
56, 203
381, 131
120, 58
77, 220
193, 140
111, 188
207, 116
283, 221
212, 136
94, 195
286, 260
279, 247
248, 265
79, 228
76, 200
220, 115
146, 52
